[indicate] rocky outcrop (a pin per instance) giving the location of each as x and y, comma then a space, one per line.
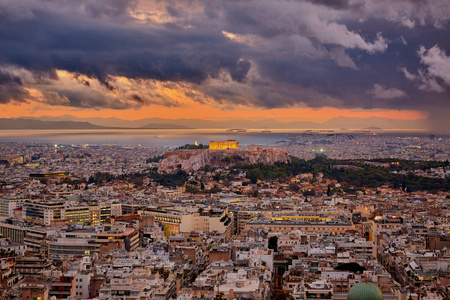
194, 160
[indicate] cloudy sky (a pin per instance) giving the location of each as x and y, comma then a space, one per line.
293, 59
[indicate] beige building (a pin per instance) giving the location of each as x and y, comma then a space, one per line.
209, 220
15, 233
127, 288
35, 290
8, 205
44, 212
383, 223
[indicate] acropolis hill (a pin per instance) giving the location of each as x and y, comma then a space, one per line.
220, 154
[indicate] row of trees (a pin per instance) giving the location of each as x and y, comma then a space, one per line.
367, 176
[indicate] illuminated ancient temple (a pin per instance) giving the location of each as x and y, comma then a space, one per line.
230, 144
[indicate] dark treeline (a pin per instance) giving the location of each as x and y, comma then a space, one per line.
367, 176
192, 146
364, 176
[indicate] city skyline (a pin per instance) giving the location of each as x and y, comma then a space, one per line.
225, 149
217, 60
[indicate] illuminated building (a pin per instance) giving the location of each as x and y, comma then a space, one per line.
48, 212
54, 176
170, 219
44, 212
81, 215
88, 215
231, 144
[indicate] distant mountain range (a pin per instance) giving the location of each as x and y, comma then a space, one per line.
38, 124
71, 122
163, 126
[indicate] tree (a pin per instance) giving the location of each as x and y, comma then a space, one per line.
273, 243
254, 175
307, 193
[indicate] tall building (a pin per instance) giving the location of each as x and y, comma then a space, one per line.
8, 205
15, 233
44, 212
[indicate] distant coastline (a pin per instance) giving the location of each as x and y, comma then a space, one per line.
235, 125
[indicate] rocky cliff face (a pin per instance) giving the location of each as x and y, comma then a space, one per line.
194, 160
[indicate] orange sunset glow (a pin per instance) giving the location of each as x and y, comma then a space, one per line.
194, 111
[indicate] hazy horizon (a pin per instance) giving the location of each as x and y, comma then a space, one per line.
67, 122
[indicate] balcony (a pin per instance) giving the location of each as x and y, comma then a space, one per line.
61, 284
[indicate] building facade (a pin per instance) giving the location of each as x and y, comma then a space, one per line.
231, 144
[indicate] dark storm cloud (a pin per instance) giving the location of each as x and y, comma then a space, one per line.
110, 8
161, 54
267, 53
84, 98
11, 88
88, 41
239, 71
337, 4
340, 64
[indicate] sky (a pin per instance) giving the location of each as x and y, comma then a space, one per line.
254, 59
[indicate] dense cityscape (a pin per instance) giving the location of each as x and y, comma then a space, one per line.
316, 216
225, 149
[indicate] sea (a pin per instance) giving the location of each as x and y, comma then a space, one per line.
167, 137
